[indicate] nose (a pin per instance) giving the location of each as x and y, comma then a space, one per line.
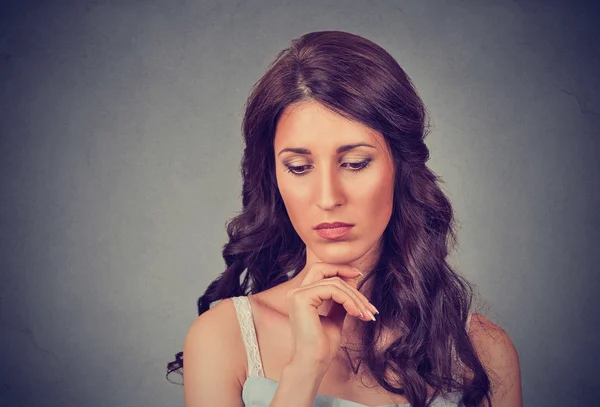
330, 193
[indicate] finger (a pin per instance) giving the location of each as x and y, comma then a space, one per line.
321, 271
353, 283
337, 314
344, 286
366, 307
315, 295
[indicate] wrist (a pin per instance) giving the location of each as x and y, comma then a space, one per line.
298, 385
302, 370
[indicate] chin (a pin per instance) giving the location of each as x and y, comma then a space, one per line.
338, 253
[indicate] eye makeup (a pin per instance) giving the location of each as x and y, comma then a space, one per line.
355, 166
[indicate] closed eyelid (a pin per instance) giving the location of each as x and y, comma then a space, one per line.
352, 157
296, 161
355, 156
347, 164
339, 150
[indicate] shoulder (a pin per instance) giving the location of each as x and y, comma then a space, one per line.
500, 359
491, 340
214, 352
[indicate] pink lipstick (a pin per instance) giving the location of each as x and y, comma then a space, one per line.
332, 231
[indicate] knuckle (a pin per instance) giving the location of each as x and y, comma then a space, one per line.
334, 287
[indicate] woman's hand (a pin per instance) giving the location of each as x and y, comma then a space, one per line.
317, 338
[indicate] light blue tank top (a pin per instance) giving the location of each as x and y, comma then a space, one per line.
258, 390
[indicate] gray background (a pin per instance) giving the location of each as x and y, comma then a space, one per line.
119, 153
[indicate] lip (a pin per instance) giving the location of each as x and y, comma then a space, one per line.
333, 231
332, 225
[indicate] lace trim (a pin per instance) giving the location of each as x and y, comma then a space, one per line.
244, 314
460, 366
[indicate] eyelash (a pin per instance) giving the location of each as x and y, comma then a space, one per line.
292, 168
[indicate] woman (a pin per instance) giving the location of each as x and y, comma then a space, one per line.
344, 235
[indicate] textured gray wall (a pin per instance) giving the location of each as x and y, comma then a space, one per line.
119, 154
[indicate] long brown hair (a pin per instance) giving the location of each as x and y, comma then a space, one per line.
415, 289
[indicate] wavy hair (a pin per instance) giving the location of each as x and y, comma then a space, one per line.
417, 292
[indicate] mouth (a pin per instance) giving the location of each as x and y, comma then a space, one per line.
333, 231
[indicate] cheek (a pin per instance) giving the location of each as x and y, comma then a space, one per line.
295, 199
375, 197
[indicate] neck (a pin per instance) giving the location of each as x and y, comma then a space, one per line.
365, 263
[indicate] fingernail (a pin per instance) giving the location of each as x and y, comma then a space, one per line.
358, 271
371, 315
376, 310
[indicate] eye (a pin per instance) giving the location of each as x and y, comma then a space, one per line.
358, 166
298, 170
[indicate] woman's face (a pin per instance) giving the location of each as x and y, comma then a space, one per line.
330, 169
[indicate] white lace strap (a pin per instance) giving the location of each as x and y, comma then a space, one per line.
244, 314
461, 366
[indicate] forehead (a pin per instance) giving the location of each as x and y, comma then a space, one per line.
307, 123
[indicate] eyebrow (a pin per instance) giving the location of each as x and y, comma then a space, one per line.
340, 149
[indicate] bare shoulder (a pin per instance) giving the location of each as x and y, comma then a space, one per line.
500, 359
214, 358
